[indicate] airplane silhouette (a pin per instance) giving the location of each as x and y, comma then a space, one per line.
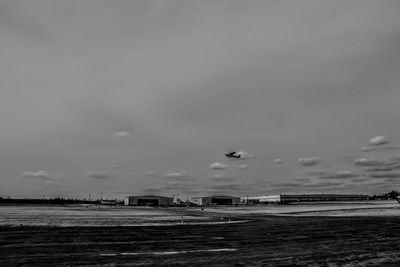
232, 155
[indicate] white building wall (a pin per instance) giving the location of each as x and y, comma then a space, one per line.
197, 200
263, 199
271, 199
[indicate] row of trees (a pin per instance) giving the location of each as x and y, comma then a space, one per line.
386, 196
57, 200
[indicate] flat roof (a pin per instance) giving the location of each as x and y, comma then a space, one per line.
216, 196
150, 196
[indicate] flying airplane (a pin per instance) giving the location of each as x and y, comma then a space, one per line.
233, 155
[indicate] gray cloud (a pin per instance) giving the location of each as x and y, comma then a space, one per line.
100, 175
244, 166
277, 161
176, 175
218, 166
378, 140
40, 175
122, 134
309, 161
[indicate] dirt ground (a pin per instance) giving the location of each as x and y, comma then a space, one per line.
263, 240
73, 215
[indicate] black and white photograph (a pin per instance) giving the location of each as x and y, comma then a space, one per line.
200, 133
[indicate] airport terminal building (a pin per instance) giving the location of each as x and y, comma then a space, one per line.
321, 198
148, 200
215, 200
286, 199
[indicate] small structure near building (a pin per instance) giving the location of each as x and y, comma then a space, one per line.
149, 200
215, 200
109, 202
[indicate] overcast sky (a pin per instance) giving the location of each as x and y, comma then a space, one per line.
145, 97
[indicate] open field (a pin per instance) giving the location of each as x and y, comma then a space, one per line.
362, 208
95, 216
157, 236
265, 240
83, 215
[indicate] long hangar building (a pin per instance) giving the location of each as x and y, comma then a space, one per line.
286, 199
218, 200
322, 197
148, 200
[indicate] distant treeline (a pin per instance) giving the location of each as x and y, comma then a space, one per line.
386, 196
395, 195
57, 200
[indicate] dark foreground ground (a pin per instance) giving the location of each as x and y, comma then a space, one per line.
270, 241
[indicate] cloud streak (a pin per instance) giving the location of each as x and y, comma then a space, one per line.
378, 148
183, 186
42, 176
388, 175
221, 178
339, 175
232, 186
382, 168
244, 155
316, 172
365, 162
307, 162
39, 174
99, 175
302, 185
176, 175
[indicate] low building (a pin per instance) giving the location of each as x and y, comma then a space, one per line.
109, 202
148, 200
216, 200
321, 198
262, 199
